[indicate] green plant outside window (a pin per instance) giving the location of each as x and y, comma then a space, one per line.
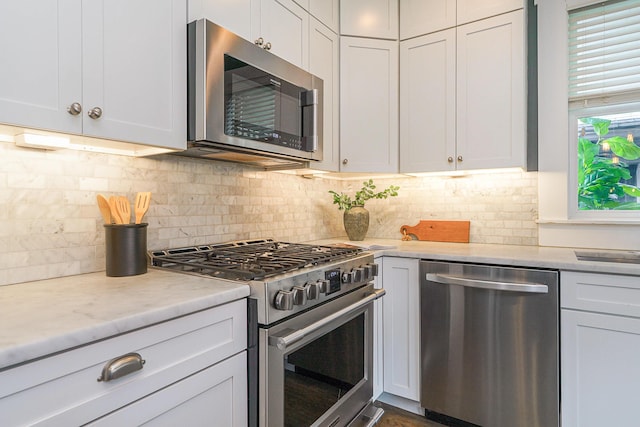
607, 168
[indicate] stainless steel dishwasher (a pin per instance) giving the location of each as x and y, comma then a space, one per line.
489, 345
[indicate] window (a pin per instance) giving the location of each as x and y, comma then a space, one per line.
604, 105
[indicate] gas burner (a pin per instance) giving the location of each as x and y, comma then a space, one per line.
251, 259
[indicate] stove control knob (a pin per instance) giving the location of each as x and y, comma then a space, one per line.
323, 285
371, 270
284, 300
353, 276
299, 295
347, 277
313, 290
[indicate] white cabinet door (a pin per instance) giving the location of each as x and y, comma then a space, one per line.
473, 10
419, 17
41, 71
378, 337
324, 58
369, 18
401, 327
134, 70
368, 105
285, 25
234, 15
600, 369
491, 128
99, 54
327, 12
427, 103
214, 396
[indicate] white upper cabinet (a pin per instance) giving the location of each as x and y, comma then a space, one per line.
41, 75
280, 26
491, 96
134, 70
368, 105
324, 57
462, 97
234, 15
327, 12
419, 17
427, 102
124, 73
284, 25
472, 10
369, 18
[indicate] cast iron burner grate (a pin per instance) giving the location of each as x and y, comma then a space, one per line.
249, 260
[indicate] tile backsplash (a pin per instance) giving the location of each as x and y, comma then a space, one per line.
51, 225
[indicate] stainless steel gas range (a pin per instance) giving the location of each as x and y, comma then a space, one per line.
311, 326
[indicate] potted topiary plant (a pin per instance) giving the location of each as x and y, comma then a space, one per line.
356, 217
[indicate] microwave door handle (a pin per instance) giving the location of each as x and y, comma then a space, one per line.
282, 342
534, 288
309, 106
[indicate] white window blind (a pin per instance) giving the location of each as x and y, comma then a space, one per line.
604, 50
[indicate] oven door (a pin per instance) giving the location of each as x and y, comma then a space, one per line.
316, 368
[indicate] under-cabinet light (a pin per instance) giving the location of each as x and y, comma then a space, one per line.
47, 142
52, 141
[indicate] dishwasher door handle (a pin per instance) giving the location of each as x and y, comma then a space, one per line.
534, 288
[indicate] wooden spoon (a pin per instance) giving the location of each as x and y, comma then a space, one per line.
105, 209
141, 205
124, 209
113, 205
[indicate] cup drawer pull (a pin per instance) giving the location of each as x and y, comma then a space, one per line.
121, 366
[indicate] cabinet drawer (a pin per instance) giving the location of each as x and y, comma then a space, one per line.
604, 293
63, 389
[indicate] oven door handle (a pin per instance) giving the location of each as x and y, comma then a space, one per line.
283, 342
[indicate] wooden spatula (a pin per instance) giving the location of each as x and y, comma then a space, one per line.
141, 205
124, 209
105, 210
113, 205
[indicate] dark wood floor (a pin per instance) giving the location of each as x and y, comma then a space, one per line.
396, 417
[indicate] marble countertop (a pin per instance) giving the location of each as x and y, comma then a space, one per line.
509, 255
47, 316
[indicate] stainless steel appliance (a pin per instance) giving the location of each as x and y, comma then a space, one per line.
247, 105
489, 345
314, 318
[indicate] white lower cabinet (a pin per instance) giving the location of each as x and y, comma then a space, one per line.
215, 396
195, 365
600, 347
401, 330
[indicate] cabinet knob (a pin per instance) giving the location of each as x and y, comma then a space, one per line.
95, 113
267, 46
74, 109
459, 158
259, 41
450, 159
345, 161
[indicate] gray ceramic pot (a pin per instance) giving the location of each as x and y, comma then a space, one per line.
356, 222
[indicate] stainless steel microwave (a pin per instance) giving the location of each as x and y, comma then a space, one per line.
247, 105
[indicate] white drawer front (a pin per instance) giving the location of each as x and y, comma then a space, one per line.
63, 389
604, 293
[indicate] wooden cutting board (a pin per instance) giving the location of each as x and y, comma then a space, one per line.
438, 231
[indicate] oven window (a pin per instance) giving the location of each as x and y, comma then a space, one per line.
260, 106
320, 373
